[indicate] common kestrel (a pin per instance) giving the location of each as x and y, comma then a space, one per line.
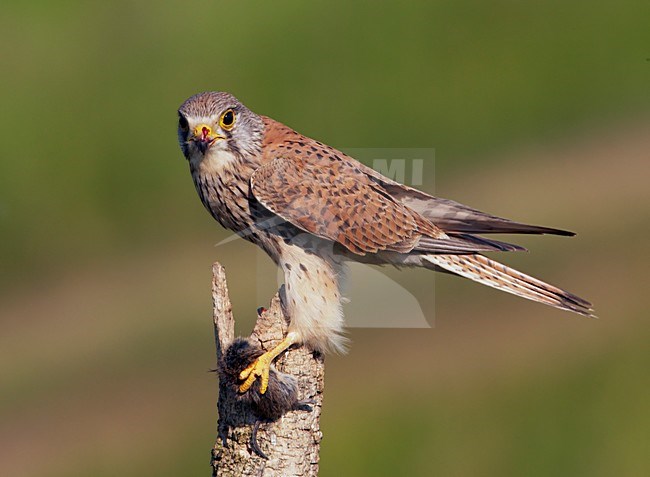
312, 208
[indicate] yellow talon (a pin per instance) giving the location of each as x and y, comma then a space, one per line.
262, 366
244, 374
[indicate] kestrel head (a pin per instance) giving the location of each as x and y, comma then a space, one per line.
216, 122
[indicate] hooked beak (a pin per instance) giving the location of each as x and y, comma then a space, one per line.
204, 137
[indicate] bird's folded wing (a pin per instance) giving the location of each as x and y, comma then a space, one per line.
338, 202
452, 216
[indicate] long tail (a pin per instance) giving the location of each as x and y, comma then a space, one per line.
496, 275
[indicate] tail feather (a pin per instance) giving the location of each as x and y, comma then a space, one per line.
496, 275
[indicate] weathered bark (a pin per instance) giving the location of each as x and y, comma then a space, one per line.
292, 443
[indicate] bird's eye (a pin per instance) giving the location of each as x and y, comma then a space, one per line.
183, 124
227, 120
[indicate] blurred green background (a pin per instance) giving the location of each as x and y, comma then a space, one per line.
537, 111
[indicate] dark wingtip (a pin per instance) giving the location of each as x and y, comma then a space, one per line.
564, 233
517, 227
536, 229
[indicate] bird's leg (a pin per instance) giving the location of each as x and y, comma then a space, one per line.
262, 365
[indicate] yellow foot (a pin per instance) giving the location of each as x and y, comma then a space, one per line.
259, 368
262, 366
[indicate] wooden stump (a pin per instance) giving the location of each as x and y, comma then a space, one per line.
291, 443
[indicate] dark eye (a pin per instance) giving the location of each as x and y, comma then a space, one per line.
227, 120
182, 123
